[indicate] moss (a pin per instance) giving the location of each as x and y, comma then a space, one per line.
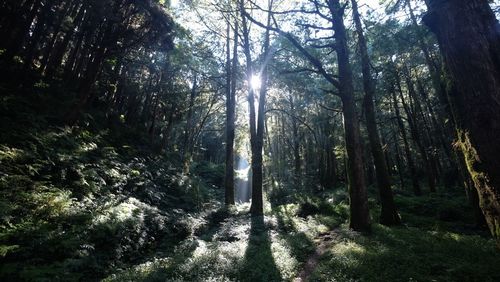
485, 192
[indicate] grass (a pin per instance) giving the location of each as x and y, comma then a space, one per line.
438, 242
240, 248
410, 254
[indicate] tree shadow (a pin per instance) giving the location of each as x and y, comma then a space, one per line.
215, 220
171, 270
301, 246
258, 263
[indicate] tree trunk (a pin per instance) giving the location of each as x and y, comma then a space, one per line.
56, 58
411, 112
388, 214
411, 165
415, 133
359, 213
398, 158
471, 51
17, 28
296, 143
257, 207
230, 113
188, 130
256, 128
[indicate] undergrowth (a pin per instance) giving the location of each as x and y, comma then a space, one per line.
78, 203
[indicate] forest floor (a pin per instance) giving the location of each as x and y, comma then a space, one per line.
289, 244
92, 203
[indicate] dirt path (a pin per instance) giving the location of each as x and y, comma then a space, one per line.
325, 240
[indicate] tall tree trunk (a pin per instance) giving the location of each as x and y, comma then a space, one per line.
230, 112
256, 125
398, 158
471, 50
331, 166
84, 93
411, 165
56, 58
35, 40
388, 214
188, 129
433, 68
296, 143
359, 213
257, 207
64, 11
417, 131
17, 26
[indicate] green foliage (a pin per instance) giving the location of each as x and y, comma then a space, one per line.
211, 173
78, 203
86, 203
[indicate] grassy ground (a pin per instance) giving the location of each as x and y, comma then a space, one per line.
241, 248
238, 248
425, 248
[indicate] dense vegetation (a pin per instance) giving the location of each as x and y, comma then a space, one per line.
318, 140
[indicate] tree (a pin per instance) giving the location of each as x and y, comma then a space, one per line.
256, 119
231, 71
359, 214
388, 214
471, 51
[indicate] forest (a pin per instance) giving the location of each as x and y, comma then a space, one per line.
249, 140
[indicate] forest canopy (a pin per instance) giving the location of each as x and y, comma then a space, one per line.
249, 140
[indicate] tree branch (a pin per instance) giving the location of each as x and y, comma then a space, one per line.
313, 60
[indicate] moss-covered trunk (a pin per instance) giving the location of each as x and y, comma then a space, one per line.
468, 36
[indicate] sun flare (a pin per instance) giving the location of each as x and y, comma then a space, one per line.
255, 82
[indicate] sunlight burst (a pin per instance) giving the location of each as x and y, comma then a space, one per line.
255, 82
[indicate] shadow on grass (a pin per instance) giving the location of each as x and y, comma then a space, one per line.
404, 254
300, 244
214, 223
179, 262
258, 263
163, 270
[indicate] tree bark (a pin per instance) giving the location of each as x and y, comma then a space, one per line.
256, 119
411, 165
188, 129
411, 114
257, 207
388, 215
359, 213
296, 142
471, 50
230, 113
